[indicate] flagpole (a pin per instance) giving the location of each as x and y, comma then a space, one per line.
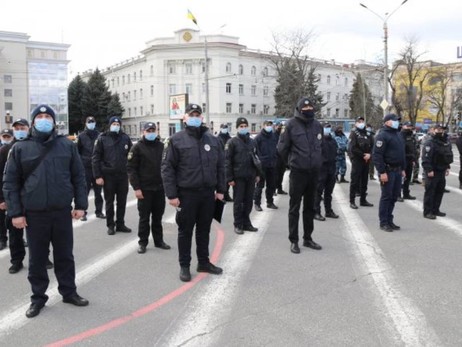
206, 72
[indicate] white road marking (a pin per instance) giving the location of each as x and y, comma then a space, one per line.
408, 324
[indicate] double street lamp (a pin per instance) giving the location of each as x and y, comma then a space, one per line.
385, 42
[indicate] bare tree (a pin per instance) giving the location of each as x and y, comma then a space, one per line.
437, 94
409, 75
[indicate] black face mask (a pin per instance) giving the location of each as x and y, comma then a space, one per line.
439, 135
309, 114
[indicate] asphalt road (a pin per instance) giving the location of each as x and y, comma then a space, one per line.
365, 288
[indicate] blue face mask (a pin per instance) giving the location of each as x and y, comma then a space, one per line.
360, 126
115, 128
150, 136
5, 142
369, 129
327, 131
91, 126
194, 122
269, 129
43, 125
395, 124
224, 131
243, 131
20, 134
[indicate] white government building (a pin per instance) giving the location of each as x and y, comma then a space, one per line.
241, 81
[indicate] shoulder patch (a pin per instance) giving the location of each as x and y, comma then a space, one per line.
130, 155
427, 148
379, 144
226, 146
319, 136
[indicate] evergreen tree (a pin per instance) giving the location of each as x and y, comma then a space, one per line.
115, 107
361, 103
97, 98
75, 95
311, 91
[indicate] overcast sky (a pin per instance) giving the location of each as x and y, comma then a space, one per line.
104, 33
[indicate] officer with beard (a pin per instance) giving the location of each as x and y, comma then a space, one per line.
300, 145
436, 159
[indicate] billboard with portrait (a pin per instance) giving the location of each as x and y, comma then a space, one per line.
177, 105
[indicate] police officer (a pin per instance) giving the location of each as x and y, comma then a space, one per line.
266, 146
241, 174
410, 143
459, 148
359, 150
340, 160
43, 203
85, 145
326, 181
109, 162
144, 160
370, 132
6, 138
193, 176
436, 159
300, 145
224, 137
390, 161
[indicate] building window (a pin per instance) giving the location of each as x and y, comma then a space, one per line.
141, 93
228, 107
204, 108
141, 75
123, 80
328, 112
265, 72
188, 69
253, 127
134, 77
241, 108
337, 112
346, 81
188, 88
265, 109
123, 97
253, 90
328, 79
152, 108
8, 92
151, 70
7, 79
337, 80
253, 71
134, 95
129, 111
253, 108
345, 113
8, 106
241, 69
129, 97
171, 129
203, 67
152, 90
172, 89
134, 111
228, 68
118, 81
328, 96
337, 97
265, 90
128, 79
228, 88
171, 69
241, 89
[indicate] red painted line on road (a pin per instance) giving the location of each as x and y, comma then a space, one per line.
149, 308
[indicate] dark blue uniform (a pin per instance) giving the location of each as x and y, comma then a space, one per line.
300, 145
360, 143
192, 171
389, 157
436, 157
266, 145
240, 169
410, 143
109, 161
85, 144
44, 197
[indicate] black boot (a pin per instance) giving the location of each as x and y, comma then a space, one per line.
343, 180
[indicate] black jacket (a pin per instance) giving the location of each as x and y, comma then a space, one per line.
389, 150
4, 150
360, 143
143, 166
85, 144
410, 143
110, 154
56, 181
329, 154
267, 148
300, 145
239, 162
224, 138
436, 154
193, 159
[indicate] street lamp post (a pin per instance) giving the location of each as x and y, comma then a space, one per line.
385, 46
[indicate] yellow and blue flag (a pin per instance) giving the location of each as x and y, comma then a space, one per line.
191, 16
